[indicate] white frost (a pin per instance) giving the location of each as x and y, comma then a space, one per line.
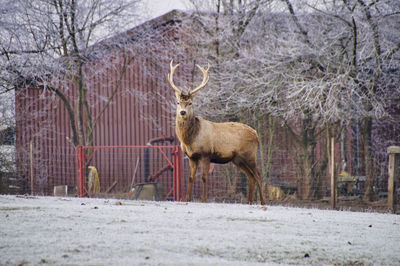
98, 231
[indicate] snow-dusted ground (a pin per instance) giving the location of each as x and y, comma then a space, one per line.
50, 230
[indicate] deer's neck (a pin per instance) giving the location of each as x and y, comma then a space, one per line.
187, 129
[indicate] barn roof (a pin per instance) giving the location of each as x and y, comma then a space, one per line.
143, 32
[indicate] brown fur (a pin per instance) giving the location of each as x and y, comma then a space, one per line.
208, 142
188, 130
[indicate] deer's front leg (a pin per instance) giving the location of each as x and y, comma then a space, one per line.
193, 169
205, 167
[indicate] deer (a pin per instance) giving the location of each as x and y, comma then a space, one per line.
207, 142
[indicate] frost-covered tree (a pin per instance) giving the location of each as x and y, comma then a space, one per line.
353, 50
47, 52
44, 41
314, 66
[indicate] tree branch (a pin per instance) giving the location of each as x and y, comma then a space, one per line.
33, 84
296, 21
116, 88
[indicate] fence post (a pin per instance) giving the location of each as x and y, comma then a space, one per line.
80, 171
31, 165
394, 153
333, 176
180, 173
177, 183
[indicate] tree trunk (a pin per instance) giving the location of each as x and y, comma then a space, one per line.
261, 134
309, 179
369, 177
271, 135
1, 182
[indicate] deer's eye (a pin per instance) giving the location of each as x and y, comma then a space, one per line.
190, 104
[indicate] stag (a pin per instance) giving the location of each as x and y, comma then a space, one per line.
208, 142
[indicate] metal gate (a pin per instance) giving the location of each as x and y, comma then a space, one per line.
120, 167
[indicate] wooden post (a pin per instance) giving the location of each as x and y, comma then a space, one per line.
333, 177
394, 154
134, 174
31, 163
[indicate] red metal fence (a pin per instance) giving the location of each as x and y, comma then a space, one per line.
119, 166
123, 166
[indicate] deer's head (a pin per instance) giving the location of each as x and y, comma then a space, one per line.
184, 107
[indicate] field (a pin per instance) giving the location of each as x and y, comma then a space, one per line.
51, 230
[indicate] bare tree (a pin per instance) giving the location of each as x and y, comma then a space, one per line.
49, 48
370, 59
45, 41
315, 67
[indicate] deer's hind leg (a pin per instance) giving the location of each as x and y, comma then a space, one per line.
259, 184
249, 168
240, 163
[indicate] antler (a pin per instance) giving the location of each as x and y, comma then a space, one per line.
205, 79
171, 77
